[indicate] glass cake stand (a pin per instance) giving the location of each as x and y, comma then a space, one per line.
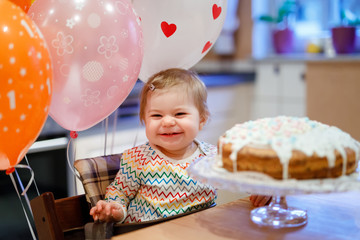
277, 214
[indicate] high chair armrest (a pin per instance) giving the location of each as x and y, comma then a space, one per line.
59, 219
45, 217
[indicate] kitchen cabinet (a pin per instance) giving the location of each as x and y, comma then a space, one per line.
228, 105
279, 89
333, 94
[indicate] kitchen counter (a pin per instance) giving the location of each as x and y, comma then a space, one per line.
249, 65
308, 57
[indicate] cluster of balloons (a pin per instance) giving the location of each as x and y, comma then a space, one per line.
77, 60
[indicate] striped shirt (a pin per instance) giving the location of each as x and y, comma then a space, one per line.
150, 186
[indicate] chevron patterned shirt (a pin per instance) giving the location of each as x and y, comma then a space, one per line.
150, 186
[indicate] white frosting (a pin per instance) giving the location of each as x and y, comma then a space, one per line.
209, 171
284, 134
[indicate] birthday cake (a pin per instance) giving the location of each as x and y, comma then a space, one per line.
289, 148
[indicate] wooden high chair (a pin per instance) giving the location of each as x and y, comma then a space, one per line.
62, 218
69, 218
66, 218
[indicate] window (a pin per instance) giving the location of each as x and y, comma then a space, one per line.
312, 21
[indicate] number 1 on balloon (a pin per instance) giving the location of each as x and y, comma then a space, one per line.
11, 96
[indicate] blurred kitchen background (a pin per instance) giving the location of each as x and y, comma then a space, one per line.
257, 68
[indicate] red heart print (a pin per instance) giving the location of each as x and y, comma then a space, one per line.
206, 47
168, 29
216, 11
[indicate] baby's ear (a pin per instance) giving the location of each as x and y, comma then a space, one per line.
203, 120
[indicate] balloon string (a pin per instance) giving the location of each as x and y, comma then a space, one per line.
78, 175
68, 160
114, 131
24, 191
22, 205
36, 187
30, 181
106, 131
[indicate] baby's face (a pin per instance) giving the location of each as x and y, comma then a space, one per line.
172, 121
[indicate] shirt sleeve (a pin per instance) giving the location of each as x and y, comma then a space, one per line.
126, 183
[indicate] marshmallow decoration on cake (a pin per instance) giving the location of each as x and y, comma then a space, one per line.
284, 135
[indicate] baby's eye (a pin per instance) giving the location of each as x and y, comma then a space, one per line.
180, 114
155, 115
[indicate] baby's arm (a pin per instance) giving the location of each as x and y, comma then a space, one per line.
119, 193
260, 200
107, 211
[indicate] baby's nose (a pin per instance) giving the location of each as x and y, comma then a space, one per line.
168, 121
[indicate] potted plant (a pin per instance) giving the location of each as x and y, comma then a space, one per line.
282, 34
344, 35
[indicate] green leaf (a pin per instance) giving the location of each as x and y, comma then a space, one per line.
267, 19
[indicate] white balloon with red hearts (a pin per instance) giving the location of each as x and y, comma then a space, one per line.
177, 33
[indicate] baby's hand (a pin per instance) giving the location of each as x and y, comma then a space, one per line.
260, 200
107, 212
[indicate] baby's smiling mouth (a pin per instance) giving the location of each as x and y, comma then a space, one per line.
170, 134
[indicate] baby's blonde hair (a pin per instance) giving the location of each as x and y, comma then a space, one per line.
176, 77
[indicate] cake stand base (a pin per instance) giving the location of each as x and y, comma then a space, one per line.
278, 214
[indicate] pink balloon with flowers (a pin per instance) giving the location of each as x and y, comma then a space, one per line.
96, 48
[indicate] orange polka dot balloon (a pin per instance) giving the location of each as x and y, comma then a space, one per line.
25, 83
24, 4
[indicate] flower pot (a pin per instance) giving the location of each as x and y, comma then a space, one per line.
343, 39
283, 40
